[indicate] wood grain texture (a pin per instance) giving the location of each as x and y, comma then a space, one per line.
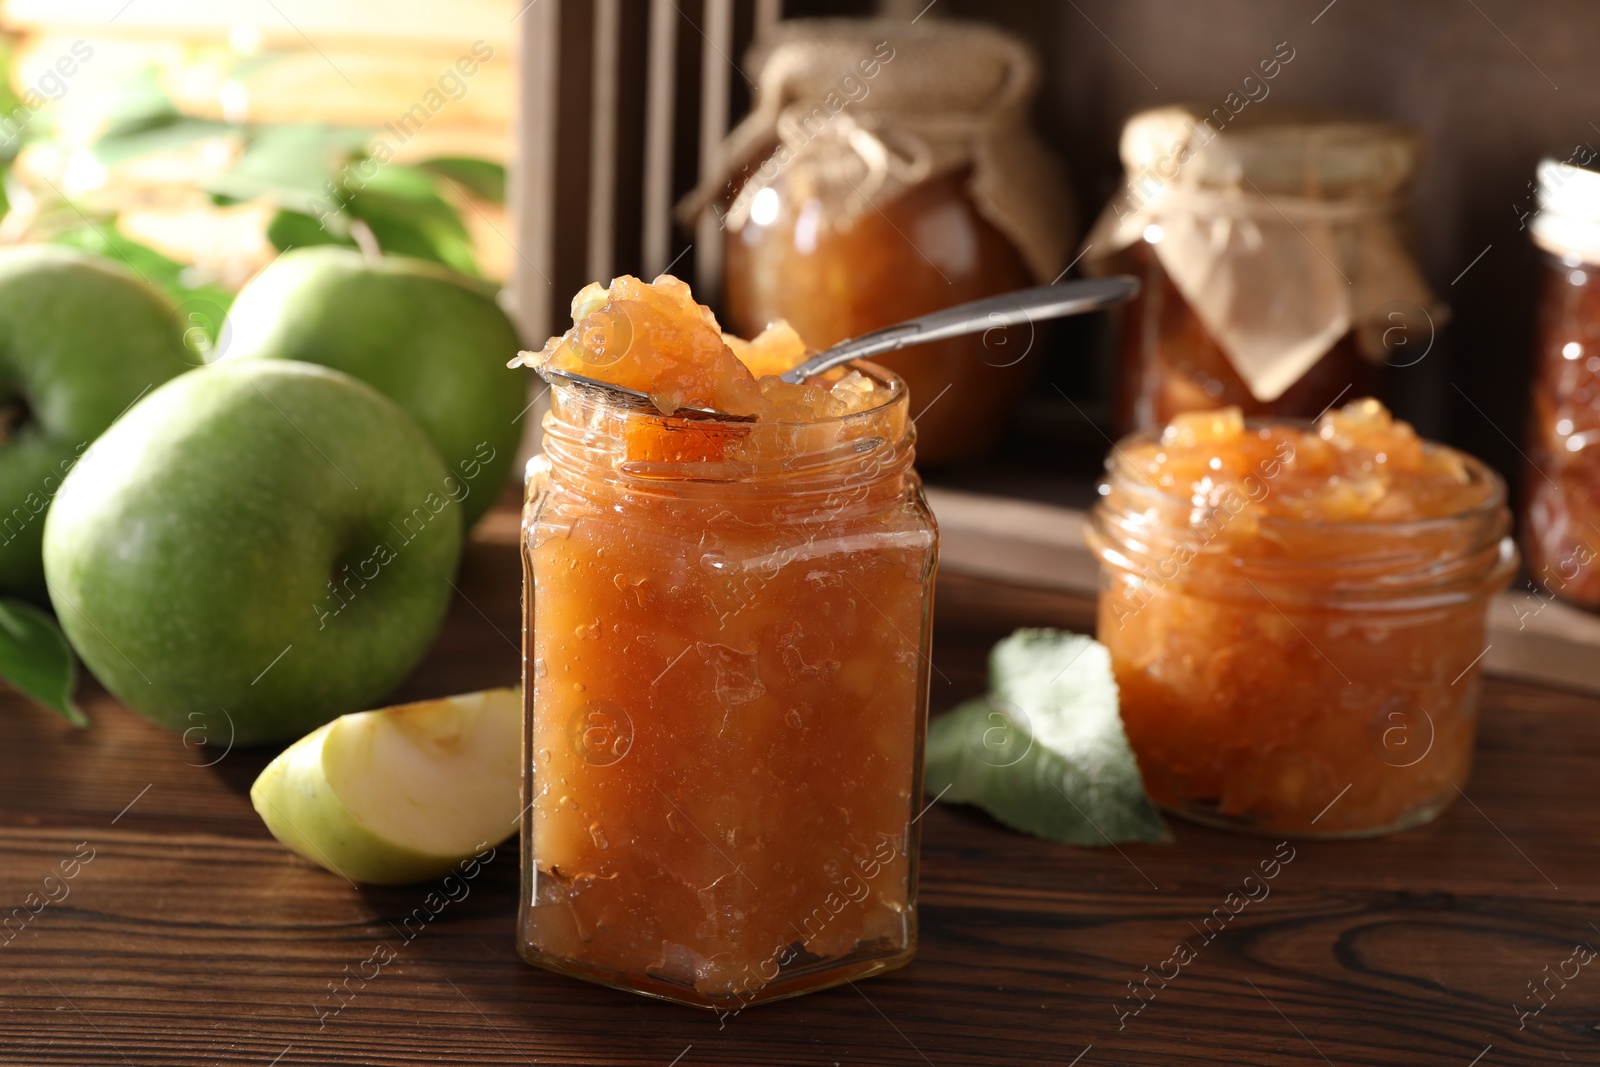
192, 938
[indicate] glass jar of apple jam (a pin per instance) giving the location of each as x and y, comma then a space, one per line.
1561, 493
1272, 249
1296, 616
887, 170
726, 673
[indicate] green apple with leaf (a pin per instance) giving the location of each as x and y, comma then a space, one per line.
433, 341
255, 547
81, 338
400, 794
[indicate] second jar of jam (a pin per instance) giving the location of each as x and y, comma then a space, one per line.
888, 170
1296, 616
1561, 513
1273, 250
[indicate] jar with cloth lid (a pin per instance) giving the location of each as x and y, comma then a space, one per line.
1561, 503
888, 170
1273, 250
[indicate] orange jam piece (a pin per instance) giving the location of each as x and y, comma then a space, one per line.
682, 441
1296, 616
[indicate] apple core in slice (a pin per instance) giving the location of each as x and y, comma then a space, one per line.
400, 794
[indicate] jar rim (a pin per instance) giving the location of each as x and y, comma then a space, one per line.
1397, 565
585, 432
877, 372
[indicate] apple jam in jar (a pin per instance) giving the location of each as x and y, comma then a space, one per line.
1561, 493
726, 650
888, 169
1296, 616
1272, 249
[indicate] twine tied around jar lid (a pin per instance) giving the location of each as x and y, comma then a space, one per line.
1281, 228
880, 105
1568, 222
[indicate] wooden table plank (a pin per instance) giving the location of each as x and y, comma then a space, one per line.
192, 938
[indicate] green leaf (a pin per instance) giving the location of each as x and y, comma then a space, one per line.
178, 134
400, 204
9, 100
408, 216
8, 96
401, 236
480, 177
172, 277
295, 229
293, 165
402, 191
1045, 752
35, 657
138, 103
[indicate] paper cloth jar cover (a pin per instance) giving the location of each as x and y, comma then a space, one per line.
1273, 246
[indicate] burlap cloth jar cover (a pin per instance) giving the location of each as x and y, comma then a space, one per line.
1282, 228
876, 106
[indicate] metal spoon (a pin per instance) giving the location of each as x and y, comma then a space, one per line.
992, 313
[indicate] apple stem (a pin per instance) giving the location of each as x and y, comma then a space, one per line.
366, 240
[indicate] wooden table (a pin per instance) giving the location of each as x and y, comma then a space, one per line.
192, 938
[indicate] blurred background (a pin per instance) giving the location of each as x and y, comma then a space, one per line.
201, 138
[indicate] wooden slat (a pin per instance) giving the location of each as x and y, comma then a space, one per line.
531, 196
1537, 638
660, 100
768, 12
603, 140
716, 70
1531, 636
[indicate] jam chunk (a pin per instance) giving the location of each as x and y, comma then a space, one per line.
655, 339
1357, 464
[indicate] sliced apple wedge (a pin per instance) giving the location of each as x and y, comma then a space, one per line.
401, 794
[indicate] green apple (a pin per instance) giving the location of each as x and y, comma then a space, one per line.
431, 340
254, 549
401, 794
80, 339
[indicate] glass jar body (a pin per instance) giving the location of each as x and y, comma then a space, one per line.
1169, 364
726, 687
1561, 491
925, 249
1294, 677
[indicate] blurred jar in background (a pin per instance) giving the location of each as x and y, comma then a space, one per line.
1273, 248
1561, 494
888, 170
